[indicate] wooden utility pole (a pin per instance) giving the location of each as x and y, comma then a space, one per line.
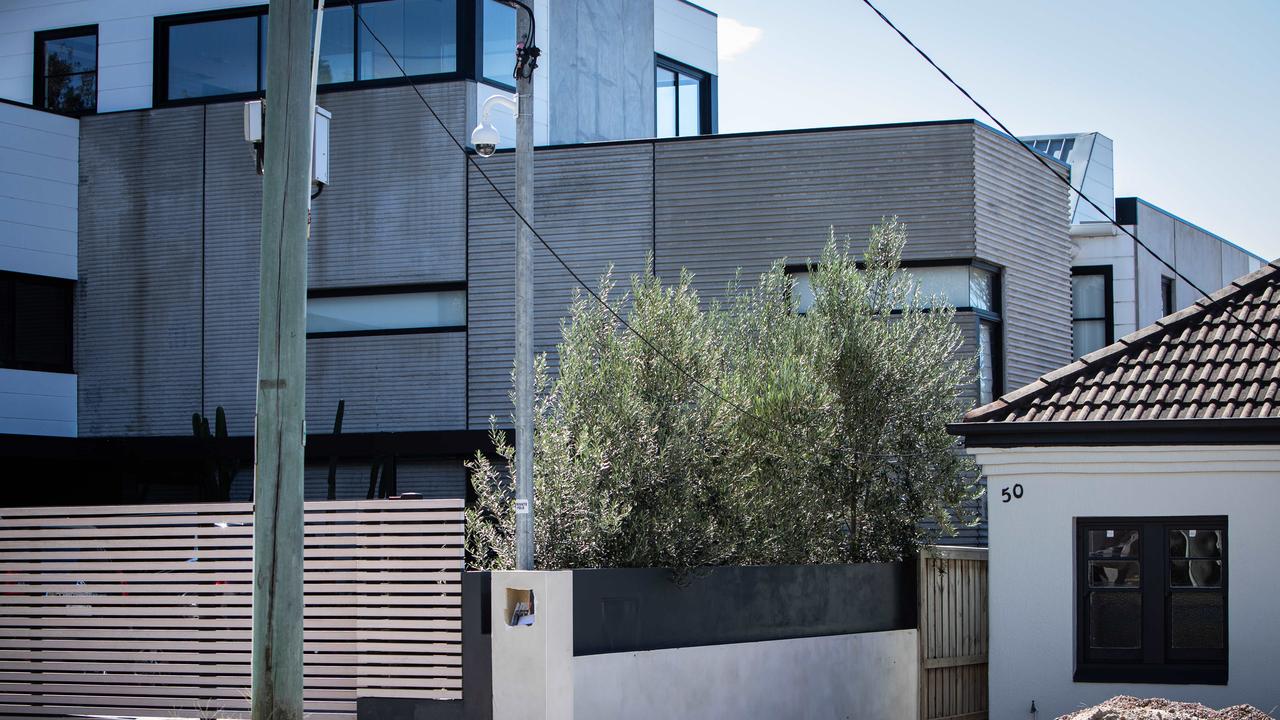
282, 366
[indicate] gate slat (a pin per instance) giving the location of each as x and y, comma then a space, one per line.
147, 609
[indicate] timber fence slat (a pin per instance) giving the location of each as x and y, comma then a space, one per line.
147, 610
953, 633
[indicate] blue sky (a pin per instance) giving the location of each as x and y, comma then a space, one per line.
1189, 91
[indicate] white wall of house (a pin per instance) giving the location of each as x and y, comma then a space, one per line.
39, 172
1032, 563
687, 33
37, 403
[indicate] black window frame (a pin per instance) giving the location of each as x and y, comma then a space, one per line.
465, 63
1155, 661
38, 73
367, 290
994, 316
8, 291
707, 120
1168, 296
1108, 299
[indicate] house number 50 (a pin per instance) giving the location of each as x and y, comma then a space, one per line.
1006, 496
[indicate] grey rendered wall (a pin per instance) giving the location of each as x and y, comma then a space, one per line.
1204, 258
1021, 222
138, 302
595, 207
392, 215
601, 75
744, 202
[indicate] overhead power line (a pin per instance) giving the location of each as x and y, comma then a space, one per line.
578, 279
1045, 162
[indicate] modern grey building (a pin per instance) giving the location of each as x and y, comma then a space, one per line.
410, 267
1119, 286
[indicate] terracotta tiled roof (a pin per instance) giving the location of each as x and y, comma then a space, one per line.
1201, 363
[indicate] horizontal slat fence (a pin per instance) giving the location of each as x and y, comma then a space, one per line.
953, 633
147, 610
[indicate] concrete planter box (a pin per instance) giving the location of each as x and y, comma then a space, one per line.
787, 641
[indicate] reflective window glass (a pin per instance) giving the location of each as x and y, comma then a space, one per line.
337, 46
802, 292
35, 323
1114, 573
986, 363
1119, 542
388, 312
1088, 296
68, 73
666, 102
499, 39
421, 36
217, 57
690, 108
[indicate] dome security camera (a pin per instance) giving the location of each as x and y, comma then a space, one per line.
485, 138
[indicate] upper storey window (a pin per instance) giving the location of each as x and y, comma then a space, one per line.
66, 77
683, 103
223, 54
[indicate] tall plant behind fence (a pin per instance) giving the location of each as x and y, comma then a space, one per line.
146, 610
953, 633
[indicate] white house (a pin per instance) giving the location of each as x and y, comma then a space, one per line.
1134, 498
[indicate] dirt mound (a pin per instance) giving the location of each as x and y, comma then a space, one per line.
1124, 707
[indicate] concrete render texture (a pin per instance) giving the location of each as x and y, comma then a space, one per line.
866, 676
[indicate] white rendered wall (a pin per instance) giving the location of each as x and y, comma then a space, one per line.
39, 172
1032, 563
37, 403
686, 33
868, 676
125, 42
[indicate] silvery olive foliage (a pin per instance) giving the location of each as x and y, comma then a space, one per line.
828, 444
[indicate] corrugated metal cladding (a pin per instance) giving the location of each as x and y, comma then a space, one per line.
395, 214
744, 202
138, 297
595, 207
1022, 225
719, 204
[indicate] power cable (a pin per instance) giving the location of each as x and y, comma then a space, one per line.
578, 279
1043, 161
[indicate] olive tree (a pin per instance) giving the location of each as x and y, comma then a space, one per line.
739, 431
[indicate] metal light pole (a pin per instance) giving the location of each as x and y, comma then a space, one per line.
485, 139
524, 294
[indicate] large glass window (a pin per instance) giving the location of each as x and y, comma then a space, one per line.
971, 287
223, 53
679, 101
67, 70
968, 287
35, 323
1151, 600
337, 45
421, 36
498, 39
215, 57
1091, 326
386, 311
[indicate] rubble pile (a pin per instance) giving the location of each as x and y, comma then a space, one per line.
1124, 707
